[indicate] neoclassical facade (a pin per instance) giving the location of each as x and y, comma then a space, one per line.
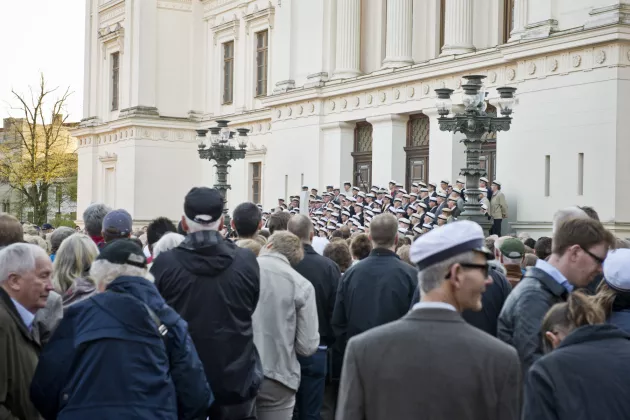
343, 90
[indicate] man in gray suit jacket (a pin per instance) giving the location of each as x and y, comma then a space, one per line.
431, 364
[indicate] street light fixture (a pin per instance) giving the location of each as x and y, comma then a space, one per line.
474, 122
222, 148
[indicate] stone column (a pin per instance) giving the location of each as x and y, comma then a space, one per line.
348, 53
399, 34
458, 34
520, 19
336, 163
389, 136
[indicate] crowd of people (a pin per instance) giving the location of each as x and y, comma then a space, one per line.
418, 211
269, 318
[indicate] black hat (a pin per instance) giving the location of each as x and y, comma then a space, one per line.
123, 251
203, 205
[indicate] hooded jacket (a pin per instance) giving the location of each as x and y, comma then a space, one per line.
107, 360
585, 378
214, 285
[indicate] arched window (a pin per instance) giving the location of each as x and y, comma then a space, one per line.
417, 149
363, 155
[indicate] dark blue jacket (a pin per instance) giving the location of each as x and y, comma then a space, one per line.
106, 360
586, 377
373, 292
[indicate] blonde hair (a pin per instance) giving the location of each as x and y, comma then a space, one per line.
36, 240
287, 244
251, 244
73, 260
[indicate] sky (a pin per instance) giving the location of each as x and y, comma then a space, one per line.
42, 36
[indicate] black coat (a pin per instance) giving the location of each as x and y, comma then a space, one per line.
324, 274
492, 300
521, 318
214, 285
373, 292
586, 377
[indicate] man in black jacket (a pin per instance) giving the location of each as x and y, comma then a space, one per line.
214, 285
579, 248
378, 289
324, 274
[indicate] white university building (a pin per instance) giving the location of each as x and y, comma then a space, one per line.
343, 90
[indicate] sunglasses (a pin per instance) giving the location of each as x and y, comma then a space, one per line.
485, 268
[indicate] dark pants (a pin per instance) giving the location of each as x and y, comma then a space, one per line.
496, 227
242, 411
310, 395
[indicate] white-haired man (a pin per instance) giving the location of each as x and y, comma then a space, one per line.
214, 285
285, 324
25, 282
411, 365
119, 339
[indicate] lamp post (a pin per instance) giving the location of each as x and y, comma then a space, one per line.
222, 147
474, 123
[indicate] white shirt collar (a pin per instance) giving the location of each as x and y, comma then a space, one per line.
26, 316
434, 305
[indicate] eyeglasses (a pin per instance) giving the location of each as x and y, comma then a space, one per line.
595, 257
485, 268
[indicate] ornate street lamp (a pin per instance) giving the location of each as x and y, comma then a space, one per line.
222, 148
474, 122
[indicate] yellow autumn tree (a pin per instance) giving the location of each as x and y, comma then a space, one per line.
38, 151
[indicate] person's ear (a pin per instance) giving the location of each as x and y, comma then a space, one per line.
221, 224
553, 339
184, 224
232, 224
13, 282
396, 239
260, 225
310, 235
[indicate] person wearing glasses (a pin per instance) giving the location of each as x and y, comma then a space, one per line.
431, 363
579, 247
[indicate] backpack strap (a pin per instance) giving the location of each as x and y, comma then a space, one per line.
161, 327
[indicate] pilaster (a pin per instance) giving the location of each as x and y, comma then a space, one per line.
389, 134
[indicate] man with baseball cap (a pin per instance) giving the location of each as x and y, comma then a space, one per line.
510, 253
214, 285
117, 224
409, 366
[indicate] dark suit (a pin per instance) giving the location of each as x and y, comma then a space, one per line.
432, 365
19, 355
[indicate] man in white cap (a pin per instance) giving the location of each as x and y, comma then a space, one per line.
417, 364
498, 208
484, 185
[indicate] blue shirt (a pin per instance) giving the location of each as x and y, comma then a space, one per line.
555, 274
26, 316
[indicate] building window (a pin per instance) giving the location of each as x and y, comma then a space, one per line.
6, 207
255, 170
228, 72
417, 149
508, 19
115, 80
262, 51
363, 155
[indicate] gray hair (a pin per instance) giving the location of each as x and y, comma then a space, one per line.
497, 266
561, 215
93, 218
58, 236
432, 277
74, 258
198, 227
19, 258
498, 253
29, 229
285, 243
168, 241
301, 226
104, 272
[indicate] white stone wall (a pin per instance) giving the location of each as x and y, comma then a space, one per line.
567, 58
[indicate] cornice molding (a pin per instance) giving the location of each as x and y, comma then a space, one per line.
267, 14
231, 28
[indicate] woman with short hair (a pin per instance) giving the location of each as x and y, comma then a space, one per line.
71, 276
585, 373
